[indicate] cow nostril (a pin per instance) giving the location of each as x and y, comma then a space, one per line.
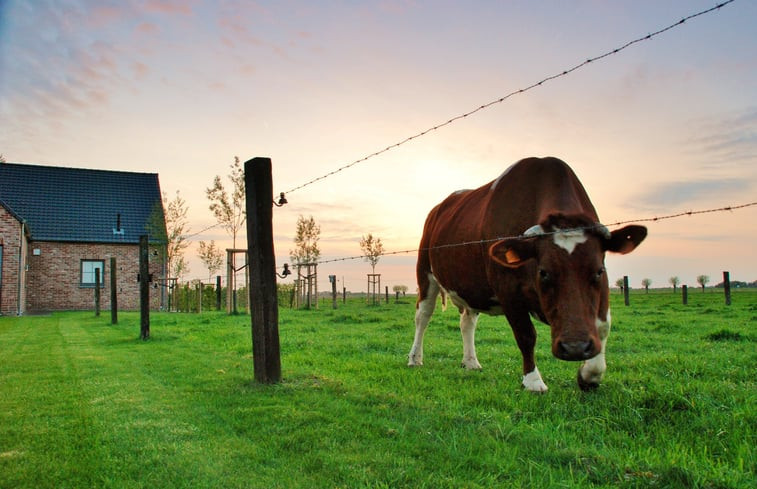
576, 350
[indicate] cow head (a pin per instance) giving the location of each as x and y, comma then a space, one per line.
565, 258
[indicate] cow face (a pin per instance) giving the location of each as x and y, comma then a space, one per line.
569, 278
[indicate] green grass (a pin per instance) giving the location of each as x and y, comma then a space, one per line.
87, 404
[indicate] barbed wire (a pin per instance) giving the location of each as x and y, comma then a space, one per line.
513, 93
585, 228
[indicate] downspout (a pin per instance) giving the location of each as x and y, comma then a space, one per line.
20, 267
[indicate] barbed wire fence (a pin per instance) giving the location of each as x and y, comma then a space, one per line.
513, 93
500, 100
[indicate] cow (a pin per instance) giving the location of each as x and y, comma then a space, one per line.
526, 244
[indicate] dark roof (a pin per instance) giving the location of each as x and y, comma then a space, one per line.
78, 205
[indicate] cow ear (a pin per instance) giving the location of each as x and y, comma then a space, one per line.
512, 253
625, 240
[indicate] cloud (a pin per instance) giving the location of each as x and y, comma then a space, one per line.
693, 194
731, 138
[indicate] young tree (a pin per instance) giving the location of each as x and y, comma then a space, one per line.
229, 208
619, 284
674, 281
372, 250
176, 229
306, 242
400, 288
211, 256
703, 280
646, 283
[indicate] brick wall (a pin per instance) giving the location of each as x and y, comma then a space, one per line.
53, 279
10, 238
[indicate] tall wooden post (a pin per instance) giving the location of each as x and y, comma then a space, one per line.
625, 290
218, 292
97, 291
727, 287
144, 288
113, 292
198, 292
262, 264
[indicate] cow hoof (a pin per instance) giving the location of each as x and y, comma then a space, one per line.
586, 386
533, 382
471, 365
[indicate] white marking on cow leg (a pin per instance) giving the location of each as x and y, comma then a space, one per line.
569, 239
422, 317
532, 381
468, 321
593, 369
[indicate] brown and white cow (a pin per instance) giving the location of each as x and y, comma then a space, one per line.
527, 243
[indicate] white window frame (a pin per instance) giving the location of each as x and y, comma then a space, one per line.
87, 273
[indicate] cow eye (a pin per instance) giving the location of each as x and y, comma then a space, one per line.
544, 275
598, 275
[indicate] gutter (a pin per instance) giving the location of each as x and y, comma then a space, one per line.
20, 267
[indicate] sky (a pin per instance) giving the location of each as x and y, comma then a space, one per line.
181, 87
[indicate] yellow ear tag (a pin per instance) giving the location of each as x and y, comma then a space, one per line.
511, 256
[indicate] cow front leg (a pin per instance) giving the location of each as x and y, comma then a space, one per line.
525, 336
423, 311
468, 322
592, 370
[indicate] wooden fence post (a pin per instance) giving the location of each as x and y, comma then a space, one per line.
113, 292
144, 288
685, 294
97, 292
218, 292
262, 278
199, 297
625, 290
727, 287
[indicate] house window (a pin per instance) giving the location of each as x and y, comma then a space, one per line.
88, 268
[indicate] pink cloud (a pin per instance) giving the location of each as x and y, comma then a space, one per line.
168, 7
147, 28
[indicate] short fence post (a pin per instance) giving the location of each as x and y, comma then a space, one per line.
113, 292
344, 295
685, 294
144, 288
727, 287
97, 292
199, 297
386, 293
332, 279
218, 292
625, 290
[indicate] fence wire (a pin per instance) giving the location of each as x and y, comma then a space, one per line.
586, 228
513, 93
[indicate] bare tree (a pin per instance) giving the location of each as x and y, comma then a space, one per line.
372, 250
674, 281
306, 242
703, 280
646, 283
211, 256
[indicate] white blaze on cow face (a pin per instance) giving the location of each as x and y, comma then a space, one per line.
569, 239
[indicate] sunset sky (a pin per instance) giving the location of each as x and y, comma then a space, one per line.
179, 88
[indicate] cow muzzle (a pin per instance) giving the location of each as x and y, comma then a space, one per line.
575, 350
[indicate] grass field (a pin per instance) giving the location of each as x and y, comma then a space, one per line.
87, 404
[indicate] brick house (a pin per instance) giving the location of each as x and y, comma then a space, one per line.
58, 225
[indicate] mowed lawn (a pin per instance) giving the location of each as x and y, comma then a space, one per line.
87, 404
